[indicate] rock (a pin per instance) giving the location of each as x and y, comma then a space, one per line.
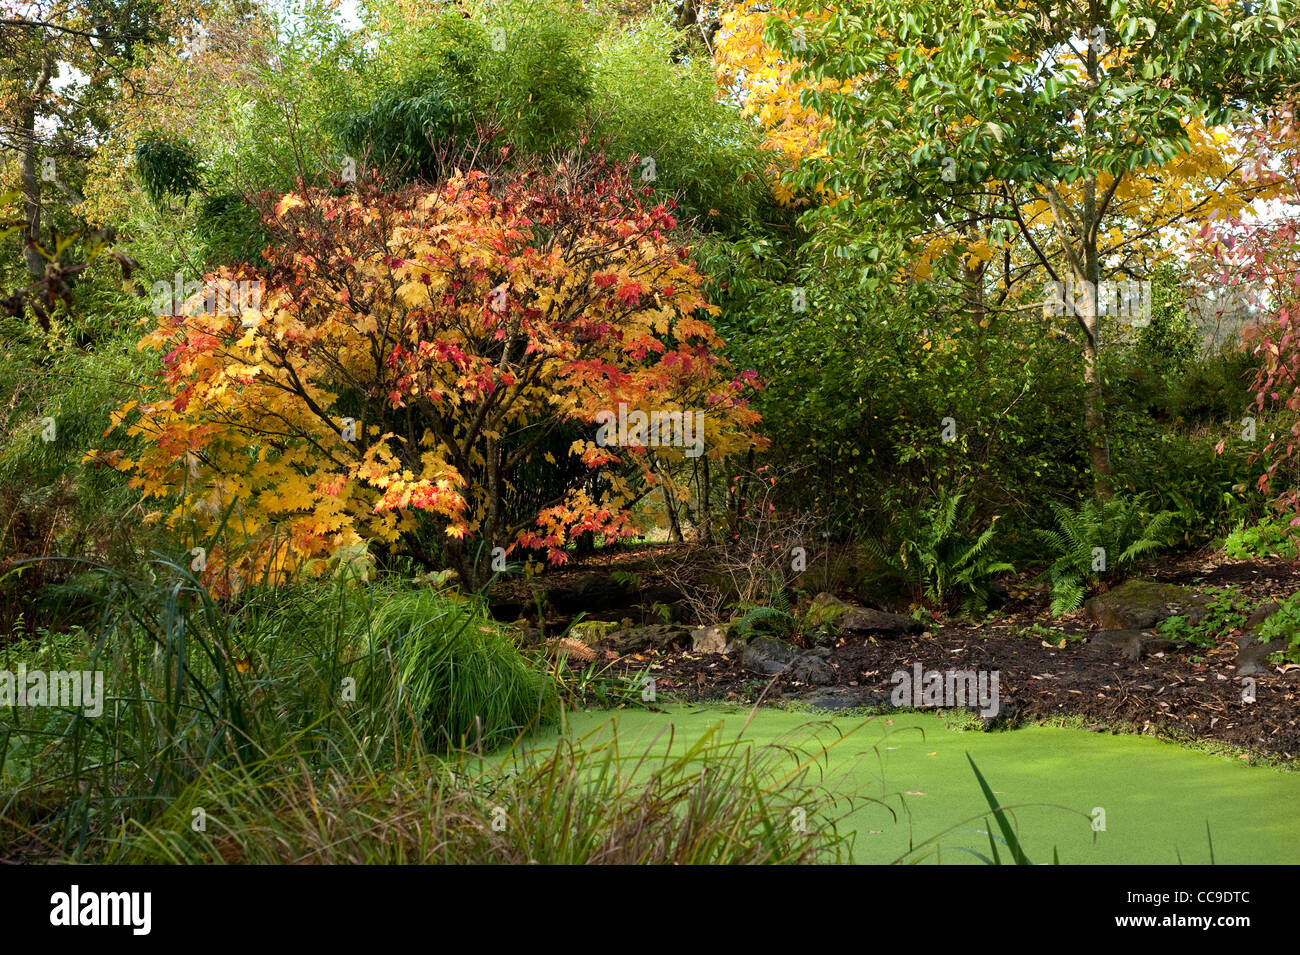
1139, 604
827, 610
810, 669
1260, 614
770, 656
844, 698
767, 655
709, 639
1135, 644
592, 632
865, 620
640, 639
1253, 654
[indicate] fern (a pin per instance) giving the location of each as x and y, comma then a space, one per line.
939, 561
777, 620
1121, 527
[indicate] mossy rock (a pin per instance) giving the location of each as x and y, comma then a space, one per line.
1140, 604
592, 632
832, 616
825, 612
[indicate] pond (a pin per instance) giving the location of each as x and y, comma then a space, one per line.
1155, 798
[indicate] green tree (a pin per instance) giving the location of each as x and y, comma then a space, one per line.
1000, 105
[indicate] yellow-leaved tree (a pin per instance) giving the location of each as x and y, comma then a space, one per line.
440, 371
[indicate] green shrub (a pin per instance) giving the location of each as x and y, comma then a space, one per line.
401, 129
942, 561
1284, 625
1097, 541
230, 231
56, 506
168, 167
1271, 537
1226, 614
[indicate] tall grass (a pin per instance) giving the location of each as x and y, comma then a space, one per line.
459, 676
712, 801
326, 677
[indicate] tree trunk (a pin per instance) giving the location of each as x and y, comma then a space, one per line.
674, 523
1093, 419
32, 257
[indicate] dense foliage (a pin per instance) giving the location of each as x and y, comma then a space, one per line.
366, 312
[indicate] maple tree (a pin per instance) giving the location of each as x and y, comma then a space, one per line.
413, 352
753, 68
1258, 261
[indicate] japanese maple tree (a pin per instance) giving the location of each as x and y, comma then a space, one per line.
415, 354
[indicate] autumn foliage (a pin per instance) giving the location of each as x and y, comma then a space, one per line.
1260, 263
416, 354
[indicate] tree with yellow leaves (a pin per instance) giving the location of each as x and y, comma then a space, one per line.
413, 356
1080, 133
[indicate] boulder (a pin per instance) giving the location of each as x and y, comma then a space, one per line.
768, 655
1260, 614
641, 639
844, 698
709, 639
1252, 652
810, 669
1134, 644
1140, 604
828, 611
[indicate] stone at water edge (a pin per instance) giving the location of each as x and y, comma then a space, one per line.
1141, 604
1252, 653
827, 610
810, 669
1135, 644
768, 655
715, 639
640, 639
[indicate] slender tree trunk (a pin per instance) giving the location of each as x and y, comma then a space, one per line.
674, 523
31, 182
32, 257
1094, 418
